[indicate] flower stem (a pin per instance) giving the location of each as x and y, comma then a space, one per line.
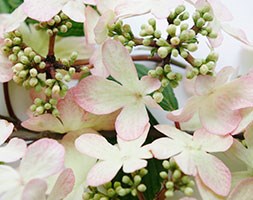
51, 45
177, 125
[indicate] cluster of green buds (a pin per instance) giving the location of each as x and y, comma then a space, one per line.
59, 23
201, 19
203, 66
123, 33
40, 107
150, 32
178, 15
129, 185
167, 77
175, 179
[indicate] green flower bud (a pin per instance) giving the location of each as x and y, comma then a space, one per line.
13, 58
131, 43
17, 33
17, 79
18, 66
137, 179
152, 22
143, 172
157, 34
163, 174
200, 22
37, 59
65, 61
72, 70
204, 69
169, 193
149, 30
195, 71
27, 51
159, 70
191, 34
177, 22
67, 78
127, 28
42, 65
85, 69
175, 41
42, 76
38, 88
33, 82
50, 32
190, 75
50, 82
69, 25
33, 107
142, 188
32, 55
58, 76
166, 164
158, 97
192, 47
191, 183
169, 185
197, 62
116, 184
23, 73
177, 174
16, 49
111, 192
38, 101
33, 72
121, 192
63, 28
210, 65
121, 38
184, 26
63, 16
53, 102
8, 42
48, 92
55, 30
174, 52
56, 89
57, 19
183, 53
39, 110
24, 60
188, 191
134, 192
152, 73
213, 35
127, 180
47, 106
17, 41
51, 22
185, 179
206, 9
180, 9
213, 56
171, 30
165, 82
171, 75
162, 52
86, 196
55, 113
162, 42
184, 16
142, 33
167, 68
208, 17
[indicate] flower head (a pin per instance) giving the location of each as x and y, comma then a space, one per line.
100, 96
128, 154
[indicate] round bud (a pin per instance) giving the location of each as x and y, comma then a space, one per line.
55, 112
171, 30
8, 42
56, 89
126, 180
137, 179
162, 52
169, 193
42, 65
69, 25
63, 16
213, 35
174, 52
27, 51
58, 76
17, 40
111, 192
184, 26
166, 164
188, 191
183, 53
177, 22
208, 17
67, 78
50, 32
51, 22
32, 55
37, 59
149, 30
142, 188
163, 174
152, 22
18, 66
57, 19
33, 72
176, 174
72, 70
213, 56
200, 22
159, 70
53, 102
33, 107
24, 60
180, 9
13, 58
165, 82
192, 47
175, 41
152, 73
16, 49
143, 172
38, 101
23, 73
157, 34
158, 97
48, 92
33, 82
204, 69
63, 28
169, 185
47, 106
39, 110
65, 61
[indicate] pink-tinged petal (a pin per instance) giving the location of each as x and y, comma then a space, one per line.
9, 179
150, 102
104, 6
217, 41
204, 84
186, 162
43, 158
15, 19
75, 10
6, 72
213, 173
216, 117
63, 186
247, 118
161, 8
212, 143
120, 65
96, 146
240, 152
205, 192
94, 92
174, 133
46, 122
6, 130
101, 29
42, 10
103, 172
13, 151
134, 114
13, 195
242, 190
236, 33
150, 84
186, 113
165, 148
35, 190
133, 144
91, 20
224, 76
96, 59
131, 165
221, 12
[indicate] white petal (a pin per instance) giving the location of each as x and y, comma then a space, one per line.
35, 190
131, 165
243, 190
75, 10
6, 130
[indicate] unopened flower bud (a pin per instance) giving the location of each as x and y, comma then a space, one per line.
200, 22
42, 65
57, 19
174, 52
169, 193
33, 72
176, 174
207, 17
188, 191
8, 42
50, 32
48, 92
213, 56
175, 41
69, 25
51, 22
169, 185
162, 52
18, 66
204, 69
63, 28
192, 47
13, 58
53, 102
16, 49
137, 179
177, 22
180, 9
171, 30
213, 35
72, 70
142, 188
24, 60
33, 82
157, 34
158, 97
39, 110
37, 59
56, 89
17, 40
58, 76
47, 106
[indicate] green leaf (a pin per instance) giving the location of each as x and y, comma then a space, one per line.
76, 30
7, 6
169, 102
142, 70
152, 180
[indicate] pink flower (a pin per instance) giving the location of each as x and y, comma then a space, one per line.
42, 159
72, 118
218, 102
192, 154
15, 149
100, 96
128, 154
44, 10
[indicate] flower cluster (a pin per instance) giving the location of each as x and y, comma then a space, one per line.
90, 132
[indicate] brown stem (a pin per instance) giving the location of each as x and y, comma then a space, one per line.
190, 59
161, 195
51, 45
8, 102
177, 125
139, 41
140, 195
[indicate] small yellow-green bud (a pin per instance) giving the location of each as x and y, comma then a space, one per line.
38, 88
166, 164
171, 30
127, 180
53, 102
37, 59
39, 110
86, 196
18, 66
152, 73
180, 9
177, 22
63, 16
159, 70
192, 47
210, 65
175, 41
188, 191
213, 35
190, 75
65, 61
169, 185
204, 69
165, 82
184, 16
157, 34
146, 42
122, 39
55, 30
162, 52
33, 82
23, 73
47, 106
48, 92
85, 69
58, 76
13, 58
50, 32
33, 72
206, 8
197, 62
33, 107
67, 78
42, 65
171, 75
184, 26
142, 188
162, 42
55, 113
183, 53
163, 174
51, 22
152, 22
191, 183
121, 192
74, 56
111, 192
24, 60
56, 89
213, 56
17, 41
32, 55
204, 32
57, 19
137, 179
8, 42
176, 174
207, 17
185, 179
196, 16
17, 79
158, 97
42, 76
200, 22
27, 51
143, 172
63, 28
169, 193
149, 30
50, 82
134, 192
16, 49
131, 43
69, 25
72, 70
116, 184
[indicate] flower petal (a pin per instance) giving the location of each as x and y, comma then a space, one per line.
63, 185
119, 64
35, 190
134, 114
6, 72
165, 148
186, 162
9, 179
212, 143
42, 10
150, 84
214, 173
242, 190
220, 10
131, 165
13, 151
94, 92
6, 130
75, 10
43, 158
103, 172
96, 146
248, 135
